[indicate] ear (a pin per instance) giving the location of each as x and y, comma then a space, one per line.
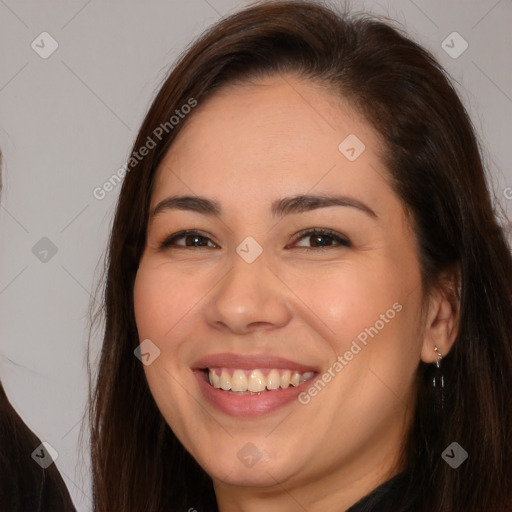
442, 317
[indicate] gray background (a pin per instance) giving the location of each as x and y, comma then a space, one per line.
67, 124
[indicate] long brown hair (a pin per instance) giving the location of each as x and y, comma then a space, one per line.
436, 169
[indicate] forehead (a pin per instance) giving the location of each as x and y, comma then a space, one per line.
276, 136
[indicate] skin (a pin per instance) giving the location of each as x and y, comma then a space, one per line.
246, 146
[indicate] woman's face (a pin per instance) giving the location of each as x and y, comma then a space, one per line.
258, 300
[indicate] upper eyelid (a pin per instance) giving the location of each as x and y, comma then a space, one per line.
322, 231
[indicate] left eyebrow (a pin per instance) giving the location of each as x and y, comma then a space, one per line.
303, 203
279, 208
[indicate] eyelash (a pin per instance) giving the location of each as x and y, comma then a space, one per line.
169, 242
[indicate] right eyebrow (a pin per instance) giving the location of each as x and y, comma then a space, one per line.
190, 203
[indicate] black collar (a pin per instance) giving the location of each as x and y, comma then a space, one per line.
388, 497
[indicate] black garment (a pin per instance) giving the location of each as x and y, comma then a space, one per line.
24, 485
388, 497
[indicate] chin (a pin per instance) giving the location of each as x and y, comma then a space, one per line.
235, 475
249, 467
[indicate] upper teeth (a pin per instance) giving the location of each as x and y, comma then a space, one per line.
255, 380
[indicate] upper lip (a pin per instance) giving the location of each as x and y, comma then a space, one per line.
250, 362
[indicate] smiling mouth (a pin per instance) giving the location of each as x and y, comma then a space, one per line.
256, 381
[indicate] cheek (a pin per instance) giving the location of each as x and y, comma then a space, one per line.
162, 311
372, 313
378, 325
161, 300
355, 301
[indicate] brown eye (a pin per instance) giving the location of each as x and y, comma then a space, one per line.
322, 238
192, 238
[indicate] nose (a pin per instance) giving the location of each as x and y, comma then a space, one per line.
249, 298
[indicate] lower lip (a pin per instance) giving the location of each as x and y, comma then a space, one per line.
248, 405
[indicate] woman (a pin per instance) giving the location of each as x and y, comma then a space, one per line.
307, 263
